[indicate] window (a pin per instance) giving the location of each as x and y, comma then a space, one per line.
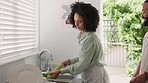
18, 27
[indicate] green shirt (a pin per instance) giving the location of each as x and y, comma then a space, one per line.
91, 53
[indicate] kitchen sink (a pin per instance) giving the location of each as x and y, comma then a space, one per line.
63, 79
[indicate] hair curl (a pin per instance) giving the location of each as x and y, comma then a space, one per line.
88, 13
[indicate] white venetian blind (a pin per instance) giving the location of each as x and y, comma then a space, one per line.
18, 27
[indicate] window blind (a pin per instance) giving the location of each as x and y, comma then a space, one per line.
18, 27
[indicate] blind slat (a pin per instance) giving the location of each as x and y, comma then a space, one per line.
19, 13
18, 50
30, 2
11, 16
19, 35
19, 29
28, 37
19, 3
17, 42
13, 24
16, 21
17, 46
11, 7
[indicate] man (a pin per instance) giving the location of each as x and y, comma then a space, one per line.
141, 74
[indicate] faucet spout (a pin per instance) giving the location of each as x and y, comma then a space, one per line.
45, 57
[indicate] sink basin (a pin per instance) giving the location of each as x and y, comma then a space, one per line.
63, 79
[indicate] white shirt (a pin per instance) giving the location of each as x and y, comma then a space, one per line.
144, 60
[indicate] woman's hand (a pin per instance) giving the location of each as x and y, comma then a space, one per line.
65, 63
139, 79
54, 74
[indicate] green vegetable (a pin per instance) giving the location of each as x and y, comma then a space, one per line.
47, 76
59, 67
44, 75
50, 76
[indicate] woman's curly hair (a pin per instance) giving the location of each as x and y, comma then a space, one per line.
88, 13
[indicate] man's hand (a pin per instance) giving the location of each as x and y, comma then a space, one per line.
139, 79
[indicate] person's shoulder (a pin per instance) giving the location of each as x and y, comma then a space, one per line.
90, 34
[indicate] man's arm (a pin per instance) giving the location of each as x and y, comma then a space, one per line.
138, 69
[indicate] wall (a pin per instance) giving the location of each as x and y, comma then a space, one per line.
55, 35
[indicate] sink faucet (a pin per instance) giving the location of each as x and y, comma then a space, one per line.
44, 57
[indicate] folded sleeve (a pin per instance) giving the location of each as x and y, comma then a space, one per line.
74, 60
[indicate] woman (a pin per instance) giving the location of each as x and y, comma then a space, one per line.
90, 62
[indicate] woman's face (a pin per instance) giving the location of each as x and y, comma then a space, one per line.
145, 10
79, 22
